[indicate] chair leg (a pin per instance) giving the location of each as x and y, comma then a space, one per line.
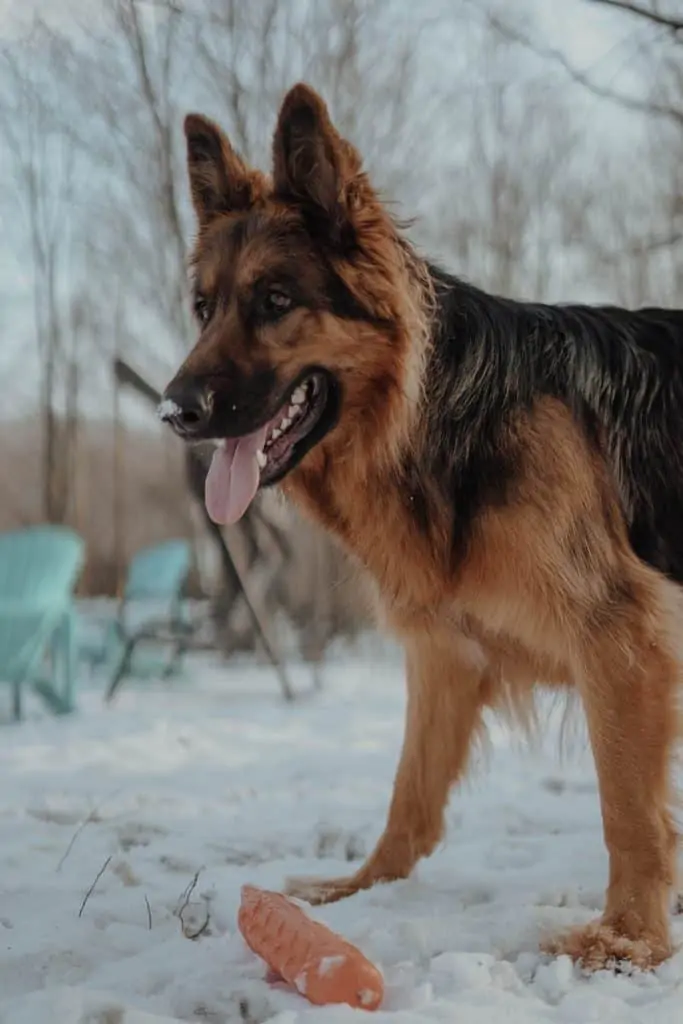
122, 669
17, 709
180, 647
174, 661
57, 690
69, 662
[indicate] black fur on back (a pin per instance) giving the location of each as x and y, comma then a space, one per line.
620, 372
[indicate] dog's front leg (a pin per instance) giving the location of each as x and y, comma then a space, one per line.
445, 690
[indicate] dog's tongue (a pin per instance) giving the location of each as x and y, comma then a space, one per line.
233, 477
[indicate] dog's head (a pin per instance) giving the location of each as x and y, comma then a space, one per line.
307, 307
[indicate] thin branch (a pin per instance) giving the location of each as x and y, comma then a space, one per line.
675, 24
633, 103
92, 887
186, 894
86, 821
636, 249
663, 242
149, 913
203, 927
184, 902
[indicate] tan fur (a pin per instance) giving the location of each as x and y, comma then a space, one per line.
549, 590
603, 623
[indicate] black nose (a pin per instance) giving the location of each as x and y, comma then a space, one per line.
186, 406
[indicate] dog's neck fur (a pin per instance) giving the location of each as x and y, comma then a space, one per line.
371, 488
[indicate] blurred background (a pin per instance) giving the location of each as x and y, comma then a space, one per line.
536, 143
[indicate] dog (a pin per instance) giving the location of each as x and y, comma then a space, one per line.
509, 474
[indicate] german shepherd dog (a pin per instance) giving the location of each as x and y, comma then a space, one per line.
510, 475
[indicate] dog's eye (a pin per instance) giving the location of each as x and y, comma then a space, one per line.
201, 309
277, 302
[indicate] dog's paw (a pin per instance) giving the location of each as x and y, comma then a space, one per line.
318, 891
598, 947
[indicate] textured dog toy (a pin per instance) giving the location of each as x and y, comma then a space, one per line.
320, 964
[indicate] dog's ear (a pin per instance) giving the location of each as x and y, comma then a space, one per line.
314, 166
220, 181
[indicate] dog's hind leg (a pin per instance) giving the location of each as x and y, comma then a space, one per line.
446, 692
628, 674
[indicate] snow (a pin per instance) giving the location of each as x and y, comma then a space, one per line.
330, 963
167, 409
195, 787
301, 983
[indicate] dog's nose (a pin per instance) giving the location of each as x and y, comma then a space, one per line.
186, 406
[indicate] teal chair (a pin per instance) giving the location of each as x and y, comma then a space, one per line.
152, 610
39, 567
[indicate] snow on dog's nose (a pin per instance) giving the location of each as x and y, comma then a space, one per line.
186, 406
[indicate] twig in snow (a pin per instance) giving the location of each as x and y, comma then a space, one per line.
192, 929
185, 895
92, 887
149, 913
92, 816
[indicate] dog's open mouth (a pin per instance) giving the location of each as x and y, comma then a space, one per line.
241, 465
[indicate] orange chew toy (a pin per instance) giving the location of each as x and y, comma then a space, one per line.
320, 964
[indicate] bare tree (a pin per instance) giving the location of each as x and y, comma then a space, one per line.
43, 182
653, 14
630, 223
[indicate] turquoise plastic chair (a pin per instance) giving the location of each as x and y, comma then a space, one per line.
39, 567
152, 609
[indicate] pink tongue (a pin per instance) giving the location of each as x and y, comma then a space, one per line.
233, 477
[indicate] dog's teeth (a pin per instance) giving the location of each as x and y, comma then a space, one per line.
294, 410
286, 422
261, 459
276, 433
299, 396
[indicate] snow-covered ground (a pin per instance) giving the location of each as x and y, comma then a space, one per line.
214, 778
